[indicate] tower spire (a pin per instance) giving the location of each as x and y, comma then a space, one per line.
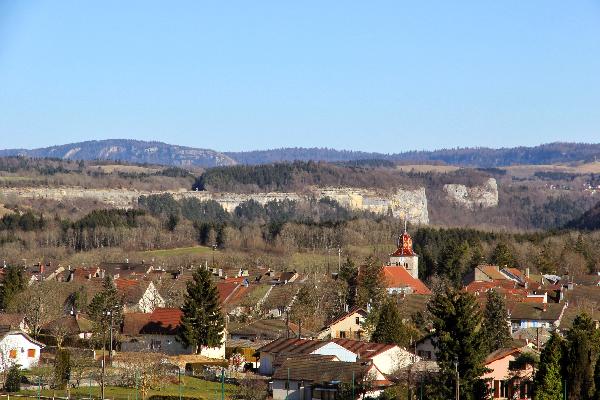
405, 225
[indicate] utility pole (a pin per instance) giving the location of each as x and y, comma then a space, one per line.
457, 379
111, 337
339, 259
103, 364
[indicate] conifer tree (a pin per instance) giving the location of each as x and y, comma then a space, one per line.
390, 329
12, 284
370, 283
349, 273
548, 379
581, 354
495, 322
202, 323
106, 308
458, 321
503, 256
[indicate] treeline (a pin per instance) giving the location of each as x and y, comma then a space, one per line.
25, 222
211, 220
475, 156
298, 175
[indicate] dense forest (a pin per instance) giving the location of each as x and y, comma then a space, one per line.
297, 176
473, 157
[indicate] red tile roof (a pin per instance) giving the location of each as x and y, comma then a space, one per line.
163, 321
226, 290
398, 276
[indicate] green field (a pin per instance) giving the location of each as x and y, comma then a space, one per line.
191, 387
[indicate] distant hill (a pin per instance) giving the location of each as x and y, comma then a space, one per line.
588, 221
132, 151
135, 151
551, 153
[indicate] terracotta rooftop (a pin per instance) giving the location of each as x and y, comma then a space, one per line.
363, 350
163, 321
398, 277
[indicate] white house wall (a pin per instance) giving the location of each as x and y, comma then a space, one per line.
21, 344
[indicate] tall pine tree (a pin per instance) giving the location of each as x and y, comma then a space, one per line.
581, 354
12, 284
370, 288
495, 322
548, 379
202, 323
458, 322
390, 328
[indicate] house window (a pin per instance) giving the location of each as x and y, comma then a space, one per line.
342, 334
357, 320
12, 353
31, 353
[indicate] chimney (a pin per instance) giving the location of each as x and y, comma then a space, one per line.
527, 272
545, 307
42, 267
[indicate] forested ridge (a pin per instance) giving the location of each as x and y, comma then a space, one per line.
298, 175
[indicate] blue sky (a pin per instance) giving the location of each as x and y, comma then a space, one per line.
385, 76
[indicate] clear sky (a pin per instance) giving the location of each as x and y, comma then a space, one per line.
383, 76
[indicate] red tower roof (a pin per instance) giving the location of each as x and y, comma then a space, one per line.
405, 248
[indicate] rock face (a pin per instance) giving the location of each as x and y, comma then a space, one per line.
135, 151
474, 197
410, 204
403, 203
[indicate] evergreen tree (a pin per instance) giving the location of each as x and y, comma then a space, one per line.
503, 256
106, 308
370, 288
548, 379
13, 379
349, 273
581, 354
202, 323
390, 329
457, 320
62, 369
495, 322
12, 284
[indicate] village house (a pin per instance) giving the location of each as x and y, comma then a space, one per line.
17, 347
506, 378
157, 332
13, 321
139, 295
349, 325
386, 357
535, 315
320, 377
71, 326
291, 347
